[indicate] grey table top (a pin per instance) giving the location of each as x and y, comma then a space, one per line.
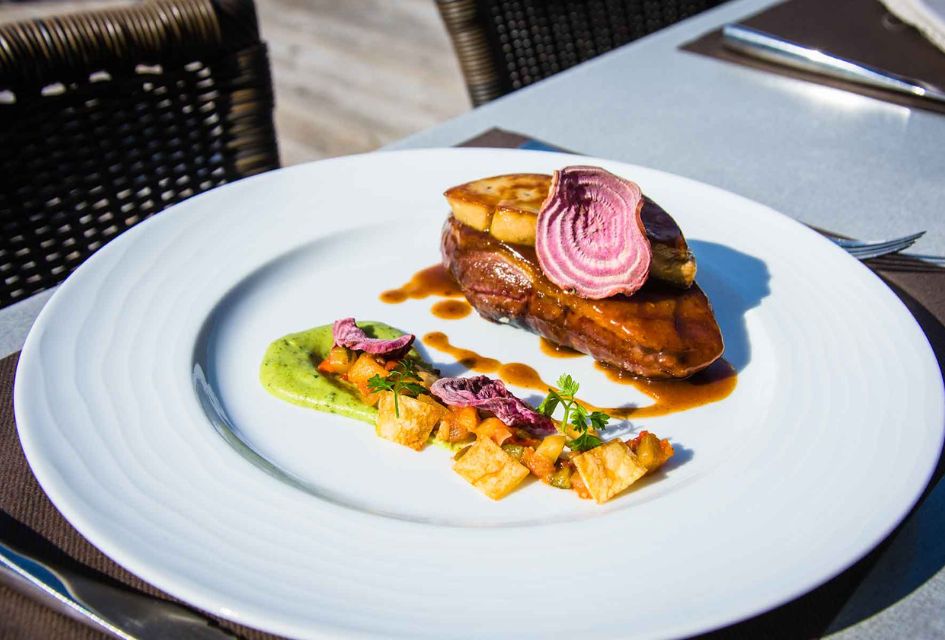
824, 156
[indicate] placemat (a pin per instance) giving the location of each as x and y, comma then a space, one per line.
35, 525
860, 30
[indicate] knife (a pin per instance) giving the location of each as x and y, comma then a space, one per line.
771, 48
118, 612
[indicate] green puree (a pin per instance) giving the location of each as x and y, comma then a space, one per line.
289, 371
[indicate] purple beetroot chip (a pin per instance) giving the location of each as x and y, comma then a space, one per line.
491, 395
347, 333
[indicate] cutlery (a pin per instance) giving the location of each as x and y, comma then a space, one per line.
771, 48
118, 612
865, 249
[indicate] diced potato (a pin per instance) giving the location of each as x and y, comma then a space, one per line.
651, 452
540, 466
427, 378
458, 424
551, 447
414, 424
512, 225
608, 469
490, 469
363, 369
495, 429
428, 399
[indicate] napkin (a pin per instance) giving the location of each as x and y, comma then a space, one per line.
928, 16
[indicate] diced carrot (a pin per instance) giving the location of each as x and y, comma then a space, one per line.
495, 429
540, 466
338, 361
363, 369
458, 424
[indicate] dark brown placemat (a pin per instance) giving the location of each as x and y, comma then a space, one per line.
860, 30
28, 516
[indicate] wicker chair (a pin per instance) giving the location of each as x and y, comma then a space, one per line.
504, 45
108, 117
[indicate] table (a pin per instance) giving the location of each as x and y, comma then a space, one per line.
833, 159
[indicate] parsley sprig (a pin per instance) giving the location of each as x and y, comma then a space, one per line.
405, 377
574, 414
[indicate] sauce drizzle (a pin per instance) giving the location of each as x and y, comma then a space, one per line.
432, 281
669, 396
451, 309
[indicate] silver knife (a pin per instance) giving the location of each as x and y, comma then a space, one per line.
118, 612
771, 48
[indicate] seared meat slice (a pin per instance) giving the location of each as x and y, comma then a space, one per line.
659, 332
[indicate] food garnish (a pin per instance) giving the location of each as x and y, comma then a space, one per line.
491, 395
575, 418
501, 439
403, 378
506, 207
590, 237
347, 334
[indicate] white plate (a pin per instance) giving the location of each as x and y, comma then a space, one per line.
137, 390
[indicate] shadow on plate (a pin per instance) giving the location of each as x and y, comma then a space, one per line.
899, 566
735, 283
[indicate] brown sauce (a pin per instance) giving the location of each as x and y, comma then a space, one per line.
451, 309
669, 396
555, 350
469, 359
432, 281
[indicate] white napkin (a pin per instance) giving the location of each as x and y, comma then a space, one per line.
928, 16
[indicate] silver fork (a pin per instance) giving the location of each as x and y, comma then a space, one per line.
865, 249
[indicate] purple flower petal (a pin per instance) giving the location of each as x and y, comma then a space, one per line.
491, 395
347, 334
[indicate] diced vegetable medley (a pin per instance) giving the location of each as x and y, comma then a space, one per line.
498, 441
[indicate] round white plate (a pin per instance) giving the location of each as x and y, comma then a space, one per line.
140, 411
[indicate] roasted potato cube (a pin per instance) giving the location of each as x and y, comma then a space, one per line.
512, 225
608, 469
490, 469
415, 422
495, 429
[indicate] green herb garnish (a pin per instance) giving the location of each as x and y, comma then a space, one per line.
405, 377
574, 414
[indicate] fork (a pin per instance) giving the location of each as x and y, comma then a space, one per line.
865, 249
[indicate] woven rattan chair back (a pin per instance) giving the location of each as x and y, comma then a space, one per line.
504, 45
108, 117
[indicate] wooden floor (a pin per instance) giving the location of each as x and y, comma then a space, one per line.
350, 75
